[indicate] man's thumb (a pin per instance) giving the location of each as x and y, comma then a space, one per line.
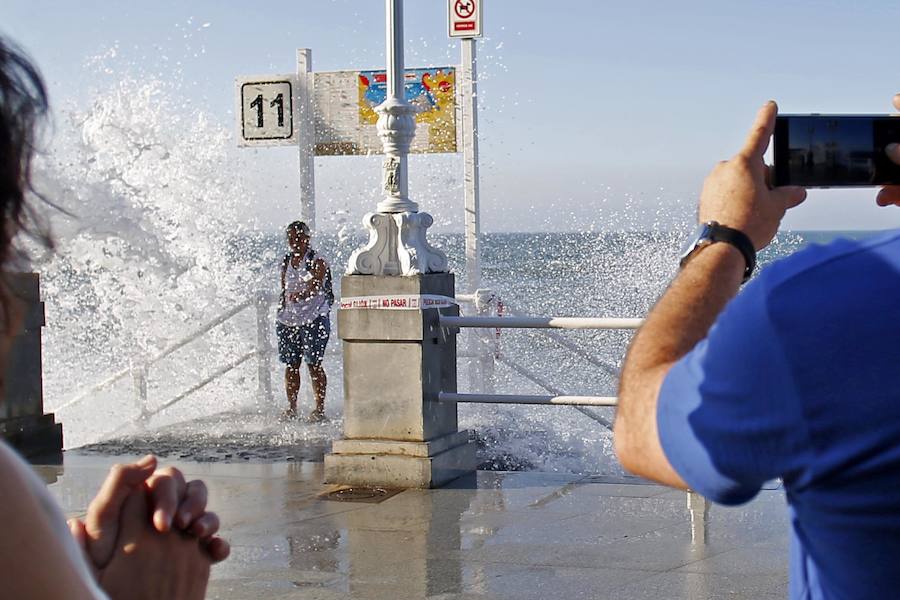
893, 152
790, 196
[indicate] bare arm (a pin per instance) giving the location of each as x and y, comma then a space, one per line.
680, 319
315, 284
30, 549
283, 271
735, 194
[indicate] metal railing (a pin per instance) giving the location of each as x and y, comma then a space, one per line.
529, 399
518, 321
139, 371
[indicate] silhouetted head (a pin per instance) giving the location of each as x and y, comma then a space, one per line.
298, 237
23, 106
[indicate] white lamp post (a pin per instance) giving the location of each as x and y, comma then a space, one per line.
397, 244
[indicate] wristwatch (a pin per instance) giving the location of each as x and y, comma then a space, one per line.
710, 233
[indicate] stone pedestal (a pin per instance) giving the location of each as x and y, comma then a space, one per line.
396, 433
23, 423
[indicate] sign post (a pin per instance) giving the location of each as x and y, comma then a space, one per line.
465, 22
306, 138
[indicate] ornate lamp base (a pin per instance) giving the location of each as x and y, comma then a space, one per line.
397, 246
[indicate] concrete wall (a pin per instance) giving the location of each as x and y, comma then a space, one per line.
23, 423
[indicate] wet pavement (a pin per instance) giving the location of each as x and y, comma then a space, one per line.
496, 535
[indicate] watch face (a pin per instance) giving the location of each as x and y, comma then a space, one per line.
702, 232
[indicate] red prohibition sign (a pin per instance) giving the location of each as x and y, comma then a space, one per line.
464, 8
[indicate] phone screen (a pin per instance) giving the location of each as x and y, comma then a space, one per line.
835, 150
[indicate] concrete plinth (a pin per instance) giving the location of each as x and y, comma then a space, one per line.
23, 423
396, 433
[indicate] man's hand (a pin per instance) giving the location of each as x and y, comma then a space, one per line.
890, 194
147, 564
737, 193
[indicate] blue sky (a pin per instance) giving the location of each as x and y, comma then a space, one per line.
593, 114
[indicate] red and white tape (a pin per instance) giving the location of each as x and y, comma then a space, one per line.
397, 302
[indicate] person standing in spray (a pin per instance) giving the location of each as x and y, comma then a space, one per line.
303, 323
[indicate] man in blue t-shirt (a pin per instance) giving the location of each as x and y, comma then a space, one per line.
796, 377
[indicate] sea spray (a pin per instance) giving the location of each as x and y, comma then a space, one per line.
142, 259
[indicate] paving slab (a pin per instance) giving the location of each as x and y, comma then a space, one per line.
489, 536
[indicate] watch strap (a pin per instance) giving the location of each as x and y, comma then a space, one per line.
737, 238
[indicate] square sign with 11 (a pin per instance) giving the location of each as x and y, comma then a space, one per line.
266, 115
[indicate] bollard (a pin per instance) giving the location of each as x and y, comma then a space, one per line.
396, 433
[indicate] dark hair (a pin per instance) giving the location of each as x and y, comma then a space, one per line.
298, 226
23, 106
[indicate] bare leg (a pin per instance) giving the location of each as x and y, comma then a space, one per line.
292, 386
319, 383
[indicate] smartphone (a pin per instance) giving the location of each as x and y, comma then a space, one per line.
835, 150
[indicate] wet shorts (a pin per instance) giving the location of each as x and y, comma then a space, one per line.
303, 343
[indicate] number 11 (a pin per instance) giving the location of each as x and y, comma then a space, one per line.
259, 110
279, 100
258, 105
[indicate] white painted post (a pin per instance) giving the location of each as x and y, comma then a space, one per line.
263, 348
139, 373
469, 89
306, 137
698, 507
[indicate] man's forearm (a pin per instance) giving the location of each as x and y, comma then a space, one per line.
681, 318
312, 288
687, 310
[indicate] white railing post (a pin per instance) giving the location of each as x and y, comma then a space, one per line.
484, 304
263, 347
139, 373
698, 507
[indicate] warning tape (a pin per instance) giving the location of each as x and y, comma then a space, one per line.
398, 302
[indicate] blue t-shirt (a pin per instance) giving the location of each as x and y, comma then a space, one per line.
799, 378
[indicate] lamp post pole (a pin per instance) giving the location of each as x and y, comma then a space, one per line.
397, 244
396, 119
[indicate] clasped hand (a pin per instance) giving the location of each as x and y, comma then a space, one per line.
147, 534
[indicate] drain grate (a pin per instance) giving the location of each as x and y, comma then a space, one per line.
371, 495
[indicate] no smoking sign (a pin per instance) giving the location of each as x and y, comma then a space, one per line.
465, 18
